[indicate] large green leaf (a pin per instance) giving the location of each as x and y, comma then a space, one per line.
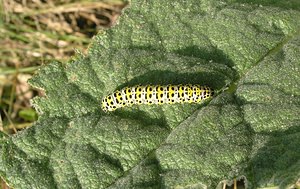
249, 53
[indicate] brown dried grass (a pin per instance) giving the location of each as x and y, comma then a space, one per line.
37, 31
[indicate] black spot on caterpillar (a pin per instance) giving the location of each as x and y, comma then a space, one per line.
156, 94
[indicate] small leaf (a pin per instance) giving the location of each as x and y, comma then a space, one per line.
28, 114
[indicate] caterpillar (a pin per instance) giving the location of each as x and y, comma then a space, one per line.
156, 94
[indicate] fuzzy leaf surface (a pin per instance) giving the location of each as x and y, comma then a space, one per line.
248, 53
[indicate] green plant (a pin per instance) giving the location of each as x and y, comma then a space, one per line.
249, 54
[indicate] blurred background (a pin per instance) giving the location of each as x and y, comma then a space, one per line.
35, 32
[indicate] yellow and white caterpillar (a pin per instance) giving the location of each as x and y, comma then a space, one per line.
156, 94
